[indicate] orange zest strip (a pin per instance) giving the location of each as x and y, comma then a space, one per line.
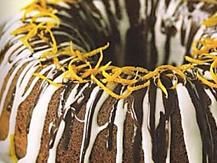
211, 21
162, 87
212, 72
197, 61
206, 82
48, 80
124, 95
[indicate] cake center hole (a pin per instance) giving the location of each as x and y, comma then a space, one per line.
144, 35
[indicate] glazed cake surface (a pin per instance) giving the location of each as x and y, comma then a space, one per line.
61, 99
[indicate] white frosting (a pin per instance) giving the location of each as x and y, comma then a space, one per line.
20, 93
161, 38
123, 26
11, 78
36, 128
142, 10
52, 151
168, 131
213, 106
119, 122
146, 137
100, 6
190, 127
71, 98
95, 128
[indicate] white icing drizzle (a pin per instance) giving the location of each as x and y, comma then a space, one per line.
146, 137
7, 68
71, 98
20, 94
190, 127
120, 117
142, 10
213, 106
123, 26
5, 65
95, 128
36, 128
100, 6
68, 102
168, 131
159, 44
134, 133
132, 111
52, 151
6, 36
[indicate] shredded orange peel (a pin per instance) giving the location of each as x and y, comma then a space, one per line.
211, 21
82, 69
204, 53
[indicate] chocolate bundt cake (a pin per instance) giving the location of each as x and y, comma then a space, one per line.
110, 81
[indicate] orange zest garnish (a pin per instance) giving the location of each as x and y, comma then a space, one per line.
211, 21
83, 67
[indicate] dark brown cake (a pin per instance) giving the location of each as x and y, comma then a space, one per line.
61, 99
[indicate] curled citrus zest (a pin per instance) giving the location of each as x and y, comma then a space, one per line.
213, 74
83, 67
162, 87
206, 82
211, 21
100, 60
33, 28
117, 79
72, 73
43, 77
43, 3
96, 51
204, 53
203, 46
197, 61
124, 95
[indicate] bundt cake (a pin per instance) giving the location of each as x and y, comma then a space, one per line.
110, 81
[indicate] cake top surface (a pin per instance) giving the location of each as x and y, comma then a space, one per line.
80, 66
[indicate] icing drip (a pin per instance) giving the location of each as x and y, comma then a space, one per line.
35, 128
146, 137
120, 117
92, 129
190, 127
168, 132
109, 143
213, 105
52, 151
